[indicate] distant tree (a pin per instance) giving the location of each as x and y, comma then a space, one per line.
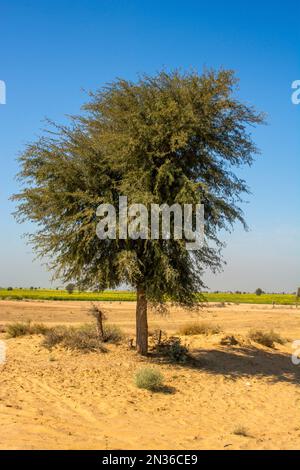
10, 288
176, 137
259, 291
70, 288
298, 292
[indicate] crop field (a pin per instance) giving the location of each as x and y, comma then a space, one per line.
123, 296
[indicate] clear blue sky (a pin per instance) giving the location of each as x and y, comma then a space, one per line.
52, 50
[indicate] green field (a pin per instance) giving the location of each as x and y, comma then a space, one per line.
48, 294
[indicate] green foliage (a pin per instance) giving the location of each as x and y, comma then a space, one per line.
173, 350
266, 338
176, 137
150, 379
118, 296
199, 328
70, 288
259, 291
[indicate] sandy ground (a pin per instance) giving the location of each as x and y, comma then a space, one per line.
68, 400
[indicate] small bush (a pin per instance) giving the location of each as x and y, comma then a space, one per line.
173, 350
83, 338
39, 329
229, 340
199, 328
150, 379
158, 336
112, 334
14, 330
266, 338
241, 431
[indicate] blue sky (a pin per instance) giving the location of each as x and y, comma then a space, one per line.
53, 50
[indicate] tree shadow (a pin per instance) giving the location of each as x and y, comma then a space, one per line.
242, 361
246, 361
166, 389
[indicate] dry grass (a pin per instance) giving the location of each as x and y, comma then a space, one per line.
199, 328
241, 431
266, 338
83, 338
17, 329
229, 340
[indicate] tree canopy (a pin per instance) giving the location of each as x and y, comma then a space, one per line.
172, 138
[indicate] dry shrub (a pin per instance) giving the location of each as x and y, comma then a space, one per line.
199, 328
17, 329
112, 334
266, 338
229, 340
173, 350
241, 431
158, 336
150, 379
83, 338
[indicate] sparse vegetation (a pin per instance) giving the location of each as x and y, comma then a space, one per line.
112, 334
84, 337
229, 340
150, 379
199, 328
173, 350
158, 336
14, 330
266, 338
241, 431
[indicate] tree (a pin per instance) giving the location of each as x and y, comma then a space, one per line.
173, 137
259, 291
70, 288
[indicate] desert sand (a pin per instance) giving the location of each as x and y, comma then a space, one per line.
70, 400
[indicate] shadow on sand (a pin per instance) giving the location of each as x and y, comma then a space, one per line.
244, 361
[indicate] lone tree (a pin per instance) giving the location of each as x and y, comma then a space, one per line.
259, 291
70, 288
174, 137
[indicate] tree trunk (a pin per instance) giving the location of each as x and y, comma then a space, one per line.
99, 326
141, 323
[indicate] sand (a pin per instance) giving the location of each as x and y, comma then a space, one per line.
69, 400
